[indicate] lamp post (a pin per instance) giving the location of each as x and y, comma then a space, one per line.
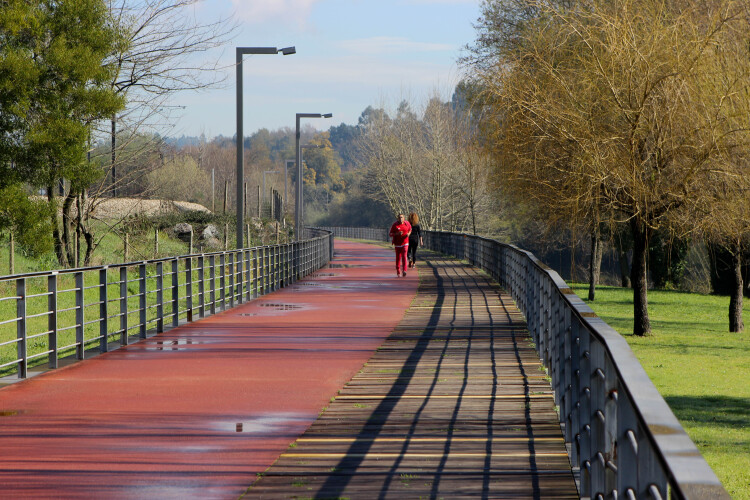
240, 51
300, 181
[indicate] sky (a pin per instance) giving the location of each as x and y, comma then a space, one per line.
350, 54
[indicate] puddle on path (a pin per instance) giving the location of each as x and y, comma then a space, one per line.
281, 307
173, 344
266, 424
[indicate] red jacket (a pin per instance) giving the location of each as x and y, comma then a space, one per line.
400, 239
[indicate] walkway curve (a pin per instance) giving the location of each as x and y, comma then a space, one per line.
198, 411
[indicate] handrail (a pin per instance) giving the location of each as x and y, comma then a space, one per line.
358, 233
621, 434
143, 295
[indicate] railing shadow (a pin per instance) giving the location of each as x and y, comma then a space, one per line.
335, 484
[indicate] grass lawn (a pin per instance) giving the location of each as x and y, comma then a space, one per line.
701, 369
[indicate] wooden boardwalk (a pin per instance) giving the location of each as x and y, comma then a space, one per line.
454, 404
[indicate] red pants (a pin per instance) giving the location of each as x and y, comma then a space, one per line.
401, 257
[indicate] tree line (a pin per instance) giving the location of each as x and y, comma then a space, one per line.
621, 116
626, 121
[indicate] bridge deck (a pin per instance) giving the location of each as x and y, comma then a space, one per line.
453, 404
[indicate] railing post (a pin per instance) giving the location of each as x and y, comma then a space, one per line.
610, 395
263, 271
103, 337
212, 280
189, 288
143, 300
222, 279
566, 382
230, 265
627, 445
52, 318
159, 297
175, 292
584, 415
124, 305
239, 259
598, 420
201, 285
650, 473
256, 273
249, 273
279, 266
276, 268
21, 328
575, 393
80, 304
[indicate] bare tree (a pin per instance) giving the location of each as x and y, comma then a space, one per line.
163, 49
429, 163
600, 113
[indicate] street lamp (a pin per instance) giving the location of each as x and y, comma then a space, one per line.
300, 182
240, 134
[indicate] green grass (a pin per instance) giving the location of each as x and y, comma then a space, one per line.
701, 369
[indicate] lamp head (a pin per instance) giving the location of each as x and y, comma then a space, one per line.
288, 50
328, 115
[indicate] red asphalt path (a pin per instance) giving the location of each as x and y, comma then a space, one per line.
197, 411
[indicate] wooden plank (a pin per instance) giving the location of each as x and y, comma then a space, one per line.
454, 404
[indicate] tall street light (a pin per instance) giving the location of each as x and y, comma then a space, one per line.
241, 51
300, 181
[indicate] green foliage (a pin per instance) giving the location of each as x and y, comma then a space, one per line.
53, 84
27, 219
699, 368
327, 172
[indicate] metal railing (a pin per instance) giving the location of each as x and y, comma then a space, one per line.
44, 315
359, 233
622, 436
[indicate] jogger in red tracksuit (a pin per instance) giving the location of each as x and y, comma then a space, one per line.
400, 231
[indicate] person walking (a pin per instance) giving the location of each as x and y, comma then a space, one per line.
399, 233
415, 239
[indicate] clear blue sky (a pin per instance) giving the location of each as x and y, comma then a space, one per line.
350, 54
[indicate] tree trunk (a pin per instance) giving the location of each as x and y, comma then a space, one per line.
735, 301
595, 264
90, 246
641, 323
62, 258
67, 229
